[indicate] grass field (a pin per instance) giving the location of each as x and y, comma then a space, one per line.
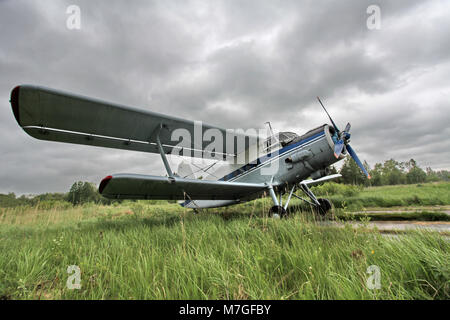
163, 251
354, 198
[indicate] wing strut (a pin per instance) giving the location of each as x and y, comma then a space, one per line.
163, 154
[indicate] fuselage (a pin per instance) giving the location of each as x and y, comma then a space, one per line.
308, 155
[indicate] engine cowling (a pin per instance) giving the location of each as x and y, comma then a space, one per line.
320, 173
299, 156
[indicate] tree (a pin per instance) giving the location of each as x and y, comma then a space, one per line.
83, 192
351, 173
443, 175
376, 175
431, 175
415, 174
74, 195
392, 173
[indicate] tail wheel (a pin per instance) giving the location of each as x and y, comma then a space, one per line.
277, 212
324, 207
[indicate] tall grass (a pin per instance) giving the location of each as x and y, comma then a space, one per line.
356, 198
163, 251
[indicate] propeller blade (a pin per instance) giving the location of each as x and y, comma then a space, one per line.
338, 148
347, 127
334, 125
358, 162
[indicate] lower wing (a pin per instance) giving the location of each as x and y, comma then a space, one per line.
135, 186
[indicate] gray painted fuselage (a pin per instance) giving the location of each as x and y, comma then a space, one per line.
286, 166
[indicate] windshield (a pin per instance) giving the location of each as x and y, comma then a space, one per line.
281, 139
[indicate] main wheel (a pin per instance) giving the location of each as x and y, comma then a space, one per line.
277, 212
325, 206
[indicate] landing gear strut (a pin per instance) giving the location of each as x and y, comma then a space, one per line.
277, 211
321, 205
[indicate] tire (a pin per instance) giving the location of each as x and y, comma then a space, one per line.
325, 206
277, 211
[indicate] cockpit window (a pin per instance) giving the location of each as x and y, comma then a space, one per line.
281, 139
286, 137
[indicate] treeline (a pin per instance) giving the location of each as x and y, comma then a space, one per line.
391, 172
80, 193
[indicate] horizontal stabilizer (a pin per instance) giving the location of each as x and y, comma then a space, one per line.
135, 186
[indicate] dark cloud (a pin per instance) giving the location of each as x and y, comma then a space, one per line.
230, 63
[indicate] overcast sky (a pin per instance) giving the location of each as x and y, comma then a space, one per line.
231, 64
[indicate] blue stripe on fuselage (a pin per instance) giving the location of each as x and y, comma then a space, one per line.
268, 157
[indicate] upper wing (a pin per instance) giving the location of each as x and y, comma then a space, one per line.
135, 186
48, 114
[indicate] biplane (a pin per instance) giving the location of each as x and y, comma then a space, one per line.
277, 165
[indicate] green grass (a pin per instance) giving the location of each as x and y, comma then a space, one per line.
421, 215
390, 196
163, 251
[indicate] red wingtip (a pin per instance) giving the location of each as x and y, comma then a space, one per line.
104, 183
15, 103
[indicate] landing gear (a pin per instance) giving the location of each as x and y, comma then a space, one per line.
320, 205
277, 212
323, 207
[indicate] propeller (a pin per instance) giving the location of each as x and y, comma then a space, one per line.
344, 139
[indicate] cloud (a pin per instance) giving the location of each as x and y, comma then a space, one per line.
233, 64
